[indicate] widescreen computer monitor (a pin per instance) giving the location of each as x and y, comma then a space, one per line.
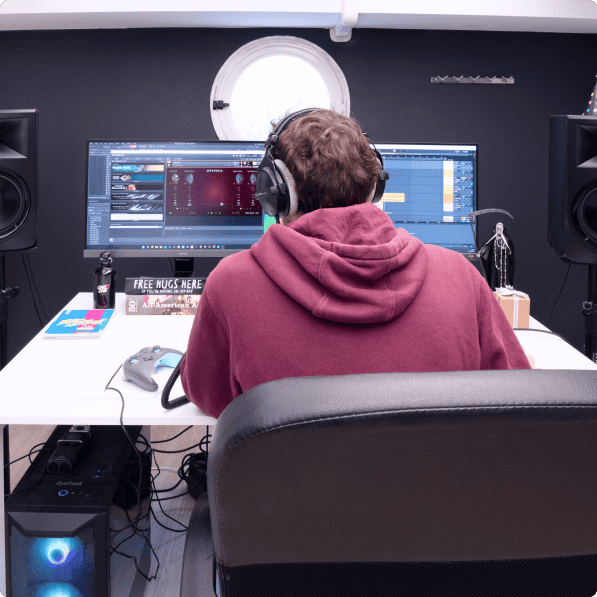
196, 198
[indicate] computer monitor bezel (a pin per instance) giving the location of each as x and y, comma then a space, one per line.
169, 253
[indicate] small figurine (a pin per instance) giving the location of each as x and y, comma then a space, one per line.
497, 257
496, 254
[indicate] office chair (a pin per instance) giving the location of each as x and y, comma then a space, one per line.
479, 483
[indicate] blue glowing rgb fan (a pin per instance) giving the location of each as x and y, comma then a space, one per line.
57, 589
53, 566
58, 551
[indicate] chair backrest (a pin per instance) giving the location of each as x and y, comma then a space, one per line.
408, 478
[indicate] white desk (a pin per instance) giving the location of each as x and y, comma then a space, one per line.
61, 381
551, 352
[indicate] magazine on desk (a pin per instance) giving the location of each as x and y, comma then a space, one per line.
79, 323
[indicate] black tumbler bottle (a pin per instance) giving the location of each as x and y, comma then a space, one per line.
104, 283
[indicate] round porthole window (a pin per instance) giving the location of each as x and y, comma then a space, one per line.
270, 77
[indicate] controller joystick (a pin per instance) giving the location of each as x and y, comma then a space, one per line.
141, 366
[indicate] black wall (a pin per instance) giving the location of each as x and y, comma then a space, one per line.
156, 84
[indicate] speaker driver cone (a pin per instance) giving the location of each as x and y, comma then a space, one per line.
15, 202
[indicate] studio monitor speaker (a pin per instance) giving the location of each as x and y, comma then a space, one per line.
18, 180
572, 215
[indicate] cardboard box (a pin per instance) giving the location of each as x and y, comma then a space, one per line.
516, 306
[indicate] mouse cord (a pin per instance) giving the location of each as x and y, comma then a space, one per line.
153, 490
139, 517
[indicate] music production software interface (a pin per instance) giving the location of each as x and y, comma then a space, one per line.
431, 191
200, 195
173, 195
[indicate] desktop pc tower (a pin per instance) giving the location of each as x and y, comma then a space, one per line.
62, 530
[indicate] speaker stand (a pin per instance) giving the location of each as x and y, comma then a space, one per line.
5, 295
590, 313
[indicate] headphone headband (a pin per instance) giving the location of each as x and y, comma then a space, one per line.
272, 188
272, 138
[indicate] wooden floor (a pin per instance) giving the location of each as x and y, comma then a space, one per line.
168, 545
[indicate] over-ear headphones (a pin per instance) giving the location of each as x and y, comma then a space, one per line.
275, 186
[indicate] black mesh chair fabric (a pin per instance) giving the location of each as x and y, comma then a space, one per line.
462, 483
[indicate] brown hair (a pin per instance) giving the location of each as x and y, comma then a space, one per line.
330, 160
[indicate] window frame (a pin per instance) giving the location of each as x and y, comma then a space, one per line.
275, 45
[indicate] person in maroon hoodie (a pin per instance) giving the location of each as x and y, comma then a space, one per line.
336, 289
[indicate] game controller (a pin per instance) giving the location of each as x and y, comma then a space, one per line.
141, 366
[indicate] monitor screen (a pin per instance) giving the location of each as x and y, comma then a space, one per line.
431, 191
173, 198
196, 198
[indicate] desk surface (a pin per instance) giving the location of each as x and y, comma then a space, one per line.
551, 352
62, 380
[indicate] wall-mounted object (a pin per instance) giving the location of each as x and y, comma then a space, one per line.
498, 80
349, 18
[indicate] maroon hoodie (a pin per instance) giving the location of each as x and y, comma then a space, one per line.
341, 291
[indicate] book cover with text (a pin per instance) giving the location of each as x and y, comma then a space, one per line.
77, 323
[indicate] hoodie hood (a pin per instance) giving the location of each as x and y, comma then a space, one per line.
345, 264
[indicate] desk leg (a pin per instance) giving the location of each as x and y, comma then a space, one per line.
4, 483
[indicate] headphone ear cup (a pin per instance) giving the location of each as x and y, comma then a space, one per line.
270, 188
290, 185
277, 201
382, 176
266, 191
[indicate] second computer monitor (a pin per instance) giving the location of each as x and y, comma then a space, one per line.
431, 191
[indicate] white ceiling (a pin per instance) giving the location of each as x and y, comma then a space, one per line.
569, 16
